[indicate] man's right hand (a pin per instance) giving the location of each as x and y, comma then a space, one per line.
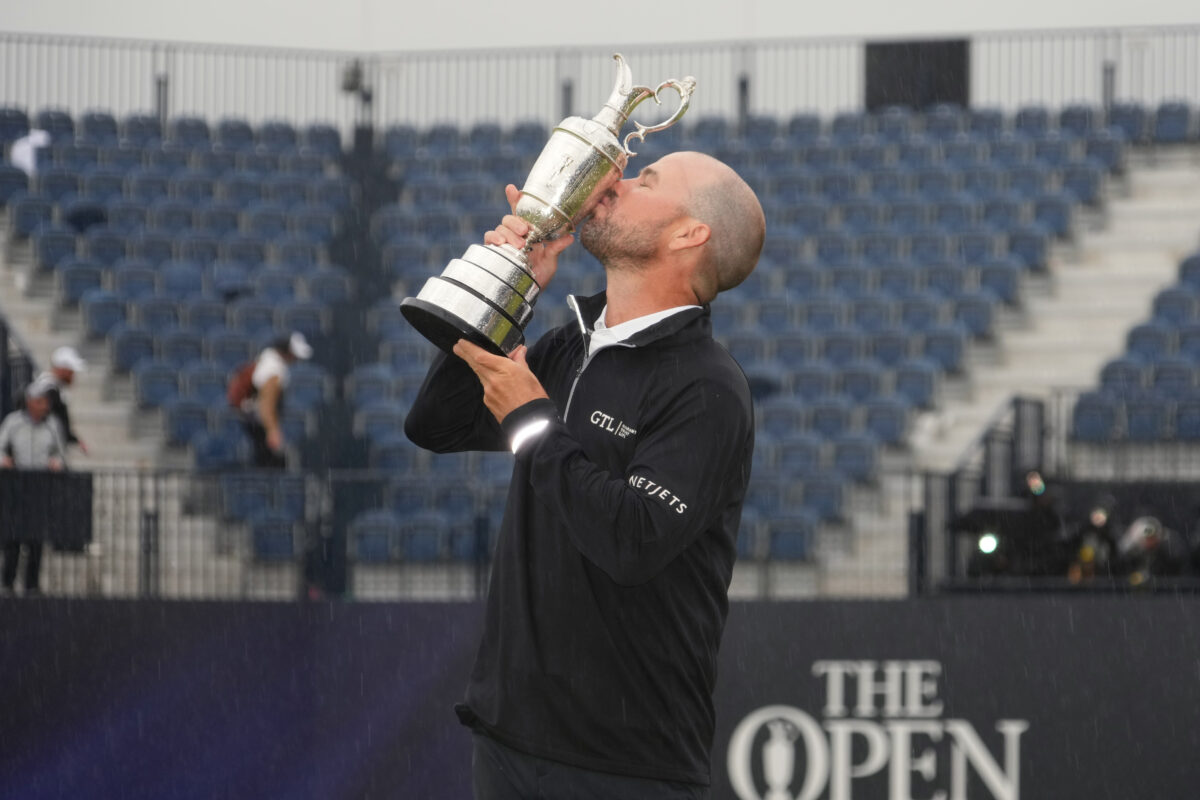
7, 462
275, 440
543, 258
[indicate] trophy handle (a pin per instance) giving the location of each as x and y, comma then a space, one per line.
685, 88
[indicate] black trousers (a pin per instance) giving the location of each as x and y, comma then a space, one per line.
264, 456
501, 773
33, 563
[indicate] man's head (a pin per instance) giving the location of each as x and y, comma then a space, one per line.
686, 207
294, 348
65, 362
37, 399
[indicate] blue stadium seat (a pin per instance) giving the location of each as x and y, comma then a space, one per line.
216, 452
264, 219
216, 218
104, 184
1011, 151
773, 314
890, 346
878, 248
1176, 306
155, 313
793, 348
129, 346
831, 415
306, 316
1002, 277
27, 213
234, 134
1187, 418
228, 349
867, 153
1173, 377
946, 345
921, 312
317, 221
126, 216
183, 418
909, 214
101, 311
424, 537
216, 163
204, 381
840, 346
393, 453
189, 131
851, 280
169, 158
944, 122
103, 245
374, 537
899, 278
122, 158
180, 347
134, 280
58, 183
782, 415
873, 312
930, 245
916, 381
1123, 377
155, 383
1130, 120
377, 418
308, 387
400, 141
244, 248
1028, 181
1031, 244
976, 311
856, 456
147, 184
861, 380
919, 151
272, 537
979, 245
791, 536
813, 379
336, 192
886, 418
75, 277
1004, 211
1078, 119
1032, 120
1086, 181
56, 122
1172, 123
141, 130
825, 312
14, 123
892, 183
1055, 150
1147, 417
277, 136
986, 121
241, 189
252, 317
172, 217
824, 495
965, 152
193, 187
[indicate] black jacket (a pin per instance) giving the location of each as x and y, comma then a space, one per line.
609, 586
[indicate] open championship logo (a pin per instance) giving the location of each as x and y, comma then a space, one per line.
779, 752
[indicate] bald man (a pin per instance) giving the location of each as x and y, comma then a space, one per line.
633, 432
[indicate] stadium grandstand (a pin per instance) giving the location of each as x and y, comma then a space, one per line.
974, 326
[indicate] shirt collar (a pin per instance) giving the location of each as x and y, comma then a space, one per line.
604, 336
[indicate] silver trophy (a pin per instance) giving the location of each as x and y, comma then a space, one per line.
487, 296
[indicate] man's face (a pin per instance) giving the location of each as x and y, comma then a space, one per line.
65, 375
37, 407
631, 221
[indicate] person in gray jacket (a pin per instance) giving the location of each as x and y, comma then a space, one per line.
30, 439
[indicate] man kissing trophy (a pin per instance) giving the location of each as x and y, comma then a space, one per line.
487, 296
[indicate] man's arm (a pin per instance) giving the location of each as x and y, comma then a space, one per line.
268, 411
6, 445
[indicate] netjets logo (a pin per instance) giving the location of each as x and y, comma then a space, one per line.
782, 753
614, 426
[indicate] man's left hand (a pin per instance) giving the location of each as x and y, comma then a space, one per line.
508, 383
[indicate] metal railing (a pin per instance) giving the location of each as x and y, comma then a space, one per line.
783, 77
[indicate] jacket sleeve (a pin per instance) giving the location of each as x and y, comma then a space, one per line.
692, 460
6, 429
448, 415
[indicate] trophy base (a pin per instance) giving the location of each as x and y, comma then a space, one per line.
443, 327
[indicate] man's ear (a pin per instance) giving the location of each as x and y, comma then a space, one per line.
690, 233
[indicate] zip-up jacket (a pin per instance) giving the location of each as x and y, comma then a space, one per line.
609, 586
30, 444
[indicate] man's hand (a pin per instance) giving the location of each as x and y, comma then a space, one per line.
275, 440
55, 465
82, 447
508, 383
543, 258
7, 462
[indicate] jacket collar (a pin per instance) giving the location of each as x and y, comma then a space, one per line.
696, 321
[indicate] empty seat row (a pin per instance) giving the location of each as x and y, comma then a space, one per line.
142, 129
102, 311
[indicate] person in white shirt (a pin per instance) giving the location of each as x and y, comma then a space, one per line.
24, 151
264, 416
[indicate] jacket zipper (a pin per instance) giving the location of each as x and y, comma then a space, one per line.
587, 352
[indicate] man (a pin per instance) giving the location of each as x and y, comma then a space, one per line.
633, 433
263, 406
65, 363
30, 439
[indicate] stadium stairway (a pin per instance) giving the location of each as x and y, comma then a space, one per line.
103, 415
1077, 319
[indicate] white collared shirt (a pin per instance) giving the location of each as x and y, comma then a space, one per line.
604, 336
